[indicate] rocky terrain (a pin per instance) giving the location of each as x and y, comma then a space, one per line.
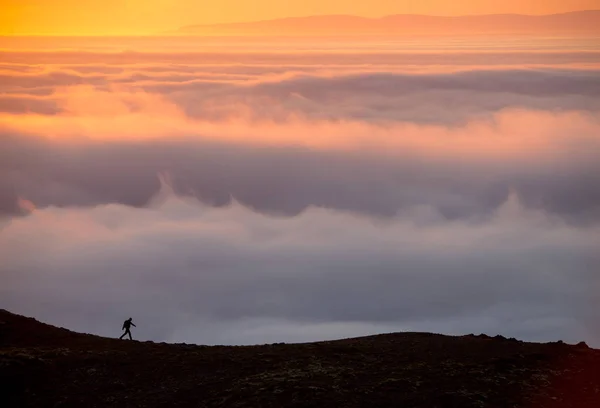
46, 366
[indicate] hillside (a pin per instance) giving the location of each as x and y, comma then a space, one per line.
574, 23
45, 366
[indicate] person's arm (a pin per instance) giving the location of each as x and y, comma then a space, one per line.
133, 324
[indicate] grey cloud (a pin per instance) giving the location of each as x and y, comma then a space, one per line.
537, 83
28, 104
185, 270
528, 82
369, 96
93, 69
388, 97
288, 180
391, 97
54, 79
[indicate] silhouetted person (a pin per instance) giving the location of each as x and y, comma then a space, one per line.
126, 326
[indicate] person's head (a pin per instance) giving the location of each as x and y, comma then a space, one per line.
130, 319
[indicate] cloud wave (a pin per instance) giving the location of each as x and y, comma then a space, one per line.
192, 269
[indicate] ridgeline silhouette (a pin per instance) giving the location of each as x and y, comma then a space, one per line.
46, 366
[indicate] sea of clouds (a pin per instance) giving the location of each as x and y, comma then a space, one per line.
241, 194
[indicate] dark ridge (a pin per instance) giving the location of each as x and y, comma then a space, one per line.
46, 366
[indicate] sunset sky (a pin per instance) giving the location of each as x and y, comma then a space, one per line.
110, 17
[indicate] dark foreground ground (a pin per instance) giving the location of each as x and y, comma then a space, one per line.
45, 366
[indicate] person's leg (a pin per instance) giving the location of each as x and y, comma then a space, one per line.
122, 335
129, 332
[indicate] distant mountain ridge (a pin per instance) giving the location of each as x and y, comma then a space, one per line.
585, 22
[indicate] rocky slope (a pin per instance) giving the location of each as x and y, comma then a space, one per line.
45, 366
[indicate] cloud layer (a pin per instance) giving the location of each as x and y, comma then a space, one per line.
305, 194
185, 270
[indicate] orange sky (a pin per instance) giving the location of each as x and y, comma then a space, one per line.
114, 17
